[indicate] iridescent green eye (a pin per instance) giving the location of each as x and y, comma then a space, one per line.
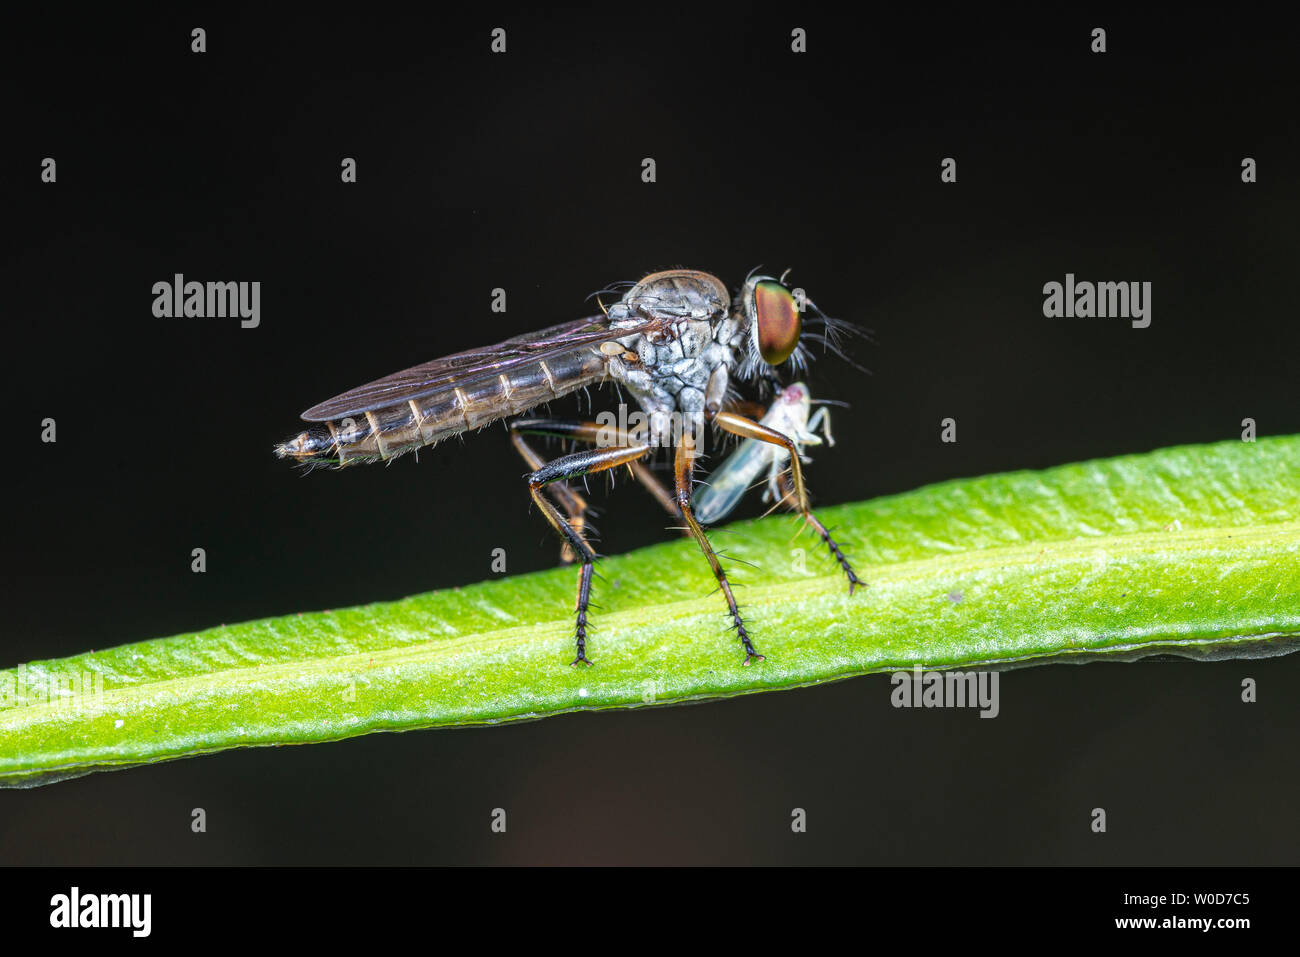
774, 320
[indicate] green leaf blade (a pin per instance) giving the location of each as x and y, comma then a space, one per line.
1192, 550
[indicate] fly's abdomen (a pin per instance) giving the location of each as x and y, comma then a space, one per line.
383, 433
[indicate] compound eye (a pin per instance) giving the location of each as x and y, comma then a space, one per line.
776, 321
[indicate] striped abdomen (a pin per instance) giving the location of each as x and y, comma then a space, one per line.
391, 430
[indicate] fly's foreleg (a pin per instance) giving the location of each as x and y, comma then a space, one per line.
748, 408
684, 471
564, 469
798, 494
788, 498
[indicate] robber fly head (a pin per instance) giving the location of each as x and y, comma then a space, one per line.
782, 324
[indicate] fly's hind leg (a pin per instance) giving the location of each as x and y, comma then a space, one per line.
574, 505
564, 469
797, 494
684, 470
592, 433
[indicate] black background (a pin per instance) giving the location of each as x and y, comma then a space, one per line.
523, 171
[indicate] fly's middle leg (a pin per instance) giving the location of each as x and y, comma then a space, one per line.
797, 492
564, 469
684, 470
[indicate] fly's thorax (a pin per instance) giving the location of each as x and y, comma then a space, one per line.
673, 294
674, 375
670, 371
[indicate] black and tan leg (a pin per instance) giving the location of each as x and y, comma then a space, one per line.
683, 472
748, 408
789, 499
797, 492
590, 433
574, 505
564, 469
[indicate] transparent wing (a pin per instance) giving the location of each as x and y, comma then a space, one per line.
729, 482
474, 365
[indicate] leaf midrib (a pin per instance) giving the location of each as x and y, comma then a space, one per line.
765, 595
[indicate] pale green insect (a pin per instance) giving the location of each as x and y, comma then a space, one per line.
790, 414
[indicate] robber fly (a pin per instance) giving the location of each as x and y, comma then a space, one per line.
675, 341
790, 414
